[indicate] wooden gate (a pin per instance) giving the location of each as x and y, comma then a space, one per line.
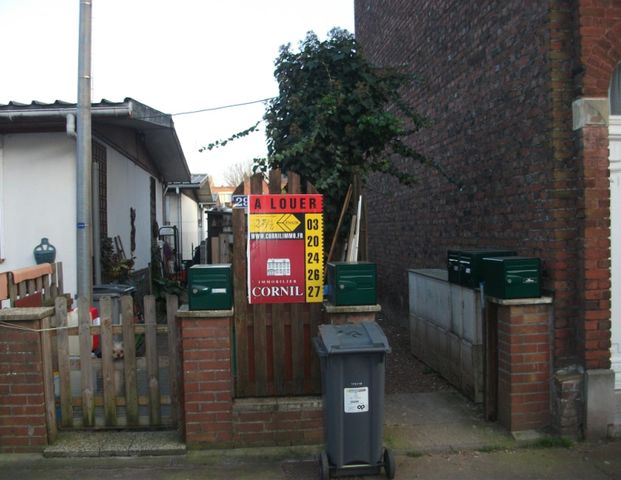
141, 389
273, 351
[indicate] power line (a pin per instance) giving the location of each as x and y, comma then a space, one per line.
222, 107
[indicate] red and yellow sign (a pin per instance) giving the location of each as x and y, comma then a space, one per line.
285, 248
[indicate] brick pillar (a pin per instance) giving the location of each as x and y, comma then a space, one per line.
23, 426
207, 390
590, 117
524, 339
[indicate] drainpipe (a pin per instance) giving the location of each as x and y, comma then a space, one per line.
84, 156
96, 225
71, 132
180, 230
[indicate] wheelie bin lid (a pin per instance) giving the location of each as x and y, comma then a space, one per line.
351, 338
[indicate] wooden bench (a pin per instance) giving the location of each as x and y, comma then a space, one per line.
34, 286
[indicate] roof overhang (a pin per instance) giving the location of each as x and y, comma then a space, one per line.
155, 127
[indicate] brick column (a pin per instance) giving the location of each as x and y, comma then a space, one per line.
207, 390
23, 425
524, 366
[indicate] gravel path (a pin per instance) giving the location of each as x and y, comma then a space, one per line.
404, 372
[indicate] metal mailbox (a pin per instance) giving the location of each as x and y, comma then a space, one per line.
471, 264
452, 265
352, 283
210, 287
512, 277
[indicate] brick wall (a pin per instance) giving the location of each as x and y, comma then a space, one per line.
213, 418
207, 380
524, 366
498, 80
22, 401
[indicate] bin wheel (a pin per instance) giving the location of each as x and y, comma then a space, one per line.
324, 466
389, 464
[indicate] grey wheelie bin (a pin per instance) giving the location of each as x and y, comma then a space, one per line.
352, 358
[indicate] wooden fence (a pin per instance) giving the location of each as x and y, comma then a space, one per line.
141, 389
273, 351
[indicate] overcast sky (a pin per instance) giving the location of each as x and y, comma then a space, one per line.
174, 56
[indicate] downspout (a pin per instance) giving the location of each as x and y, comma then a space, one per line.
180, 229
71, 132
96, 225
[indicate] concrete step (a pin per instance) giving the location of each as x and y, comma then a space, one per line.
115, 444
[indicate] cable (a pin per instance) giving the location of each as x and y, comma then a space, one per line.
221, 107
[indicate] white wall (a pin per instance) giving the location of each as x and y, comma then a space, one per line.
184, 212
39, 200
189, 226
129, 186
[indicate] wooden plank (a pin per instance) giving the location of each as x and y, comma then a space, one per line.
38, 284
86, 373
223, 247
299, 316
153, 380
129, 346
30, 286
107, 360
315, 320
260, 349
310, 188
58, 266
241, 302
338, 228
12, 289
293, 183
275, 179
215, 250
64, 369
174, 360
45, 285
256, 184
22, 291
278, 335
48, 380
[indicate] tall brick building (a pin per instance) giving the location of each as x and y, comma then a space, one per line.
519, 96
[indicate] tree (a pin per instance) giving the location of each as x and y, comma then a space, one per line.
238, 172
337, 116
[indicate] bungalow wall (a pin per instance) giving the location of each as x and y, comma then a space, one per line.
38, 178
39, 199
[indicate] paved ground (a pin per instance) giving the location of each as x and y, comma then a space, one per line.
436, 435
592, 462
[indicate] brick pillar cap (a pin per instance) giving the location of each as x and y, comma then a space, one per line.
185, 312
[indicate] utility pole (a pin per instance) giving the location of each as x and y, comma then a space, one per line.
84, 157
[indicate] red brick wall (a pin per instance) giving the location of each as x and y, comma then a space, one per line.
22, 402
497, 81
600, 33
284, 421
207, 380
599, 25
212, 417
524, 366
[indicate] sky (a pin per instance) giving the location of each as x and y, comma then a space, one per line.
172, 55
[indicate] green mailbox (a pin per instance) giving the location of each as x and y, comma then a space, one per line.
210, 287
512, 277
352, 283
452, 265
471, 264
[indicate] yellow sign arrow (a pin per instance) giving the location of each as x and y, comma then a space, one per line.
273, 223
